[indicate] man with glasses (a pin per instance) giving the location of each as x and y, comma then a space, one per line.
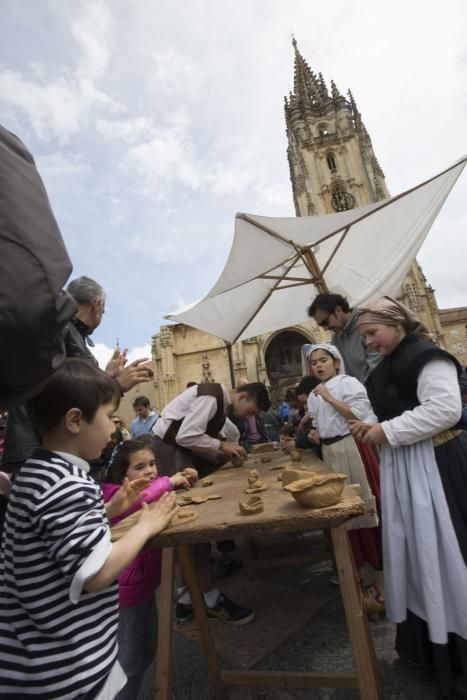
332, 312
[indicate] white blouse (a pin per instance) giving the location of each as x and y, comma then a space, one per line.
350, 391
440, 406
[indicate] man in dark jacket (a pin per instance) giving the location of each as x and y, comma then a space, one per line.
20, 439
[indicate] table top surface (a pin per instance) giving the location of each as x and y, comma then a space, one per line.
221, 519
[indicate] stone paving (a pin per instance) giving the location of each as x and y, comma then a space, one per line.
319, 644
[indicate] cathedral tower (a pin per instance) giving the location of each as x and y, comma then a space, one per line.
333, 166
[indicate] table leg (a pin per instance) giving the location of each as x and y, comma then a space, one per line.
189, 576
366, 665
164, 640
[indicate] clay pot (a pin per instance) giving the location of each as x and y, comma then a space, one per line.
319, 490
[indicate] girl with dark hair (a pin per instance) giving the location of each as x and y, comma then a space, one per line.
137, 631
416, 396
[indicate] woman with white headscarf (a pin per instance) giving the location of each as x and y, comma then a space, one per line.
416, 396
337, 400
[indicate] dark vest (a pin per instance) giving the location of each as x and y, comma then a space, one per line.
392, 386
216, 423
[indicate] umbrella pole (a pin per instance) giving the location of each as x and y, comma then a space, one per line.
313, 266
231, 367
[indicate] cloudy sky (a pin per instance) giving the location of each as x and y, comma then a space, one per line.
154, 122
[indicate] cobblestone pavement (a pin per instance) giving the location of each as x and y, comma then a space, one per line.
321, 644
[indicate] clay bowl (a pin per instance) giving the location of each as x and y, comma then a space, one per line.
318, 491
290, 474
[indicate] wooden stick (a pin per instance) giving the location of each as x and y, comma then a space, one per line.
290, 679
369, 679
201, 619
164, 641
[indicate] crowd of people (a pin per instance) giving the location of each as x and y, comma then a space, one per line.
381, 402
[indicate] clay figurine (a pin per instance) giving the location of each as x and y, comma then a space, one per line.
207, 482
254, 483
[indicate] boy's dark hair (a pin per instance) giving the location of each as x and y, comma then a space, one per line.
76, 384
257, 392
121, 458
188, 384
290, 395
306, 385
328, 302
141, 401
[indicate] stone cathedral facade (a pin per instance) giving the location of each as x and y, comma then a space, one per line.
333, 167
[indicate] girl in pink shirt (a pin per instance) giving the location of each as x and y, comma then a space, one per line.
137, 631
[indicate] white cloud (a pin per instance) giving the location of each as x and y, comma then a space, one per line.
58, 105
131, 130
103, 353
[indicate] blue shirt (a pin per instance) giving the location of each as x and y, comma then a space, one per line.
143, 426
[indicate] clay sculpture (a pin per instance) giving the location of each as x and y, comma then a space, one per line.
207, 482
319, 490
183, 516
254, 483
252, 506
295, 456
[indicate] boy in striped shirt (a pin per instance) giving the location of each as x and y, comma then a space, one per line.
58, 566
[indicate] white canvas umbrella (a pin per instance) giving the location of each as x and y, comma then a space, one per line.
278, 265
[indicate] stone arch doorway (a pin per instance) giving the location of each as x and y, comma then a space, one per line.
283, 358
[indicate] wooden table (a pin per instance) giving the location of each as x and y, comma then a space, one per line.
220, 520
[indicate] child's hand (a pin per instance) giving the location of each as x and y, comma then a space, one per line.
126, 495
156, 518
359, 429
321, 390
191, 474
375, 435
179, 481
313, 436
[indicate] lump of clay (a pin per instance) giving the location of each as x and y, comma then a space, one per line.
266, 459
254, 483
198, 499
251, 506
207, 482
237, 460
295, 456
319, 490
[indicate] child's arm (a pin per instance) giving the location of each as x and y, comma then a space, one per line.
125, 497
151, 492
150, 523
338, 406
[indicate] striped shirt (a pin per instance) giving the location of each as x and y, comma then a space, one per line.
56, 639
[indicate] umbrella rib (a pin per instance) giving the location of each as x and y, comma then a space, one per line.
264, 300
297, 284
266, 229
335, 250
276, 277
387, 203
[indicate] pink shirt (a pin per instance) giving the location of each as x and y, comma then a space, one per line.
139, 581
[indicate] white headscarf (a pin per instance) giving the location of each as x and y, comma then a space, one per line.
332, 350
